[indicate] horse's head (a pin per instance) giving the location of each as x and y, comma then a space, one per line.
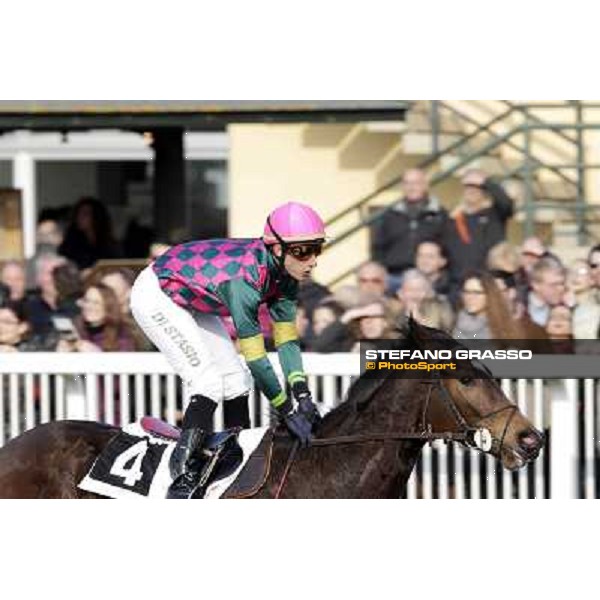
475, 400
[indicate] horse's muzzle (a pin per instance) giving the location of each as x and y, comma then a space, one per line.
529, 444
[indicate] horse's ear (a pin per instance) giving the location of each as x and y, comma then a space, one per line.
415, 331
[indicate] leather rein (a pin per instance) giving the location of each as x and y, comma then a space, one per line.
466, 434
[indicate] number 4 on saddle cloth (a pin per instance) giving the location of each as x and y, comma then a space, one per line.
136, 462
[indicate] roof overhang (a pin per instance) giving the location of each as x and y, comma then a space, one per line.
190, 115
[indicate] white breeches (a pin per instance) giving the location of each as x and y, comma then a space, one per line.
196, 345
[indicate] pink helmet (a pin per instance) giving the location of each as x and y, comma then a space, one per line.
293, 222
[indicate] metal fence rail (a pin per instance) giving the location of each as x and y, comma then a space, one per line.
122, 387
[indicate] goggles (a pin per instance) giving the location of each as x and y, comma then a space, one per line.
304, 252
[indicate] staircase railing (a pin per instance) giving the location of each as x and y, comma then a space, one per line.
530, 123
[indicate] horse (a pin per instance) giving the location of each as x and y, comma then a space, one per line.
366, 447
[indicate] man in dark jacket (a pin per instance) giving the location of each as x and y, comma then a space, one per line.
413, 219
477, 224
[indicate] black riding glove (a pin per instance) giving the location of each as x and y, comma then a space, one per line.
296, 422
305, 403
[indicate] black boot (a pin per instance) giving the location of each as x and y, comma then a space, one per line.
186, 464
236, 412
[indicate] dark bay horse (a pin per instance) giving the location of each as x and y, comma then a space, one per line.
366, 447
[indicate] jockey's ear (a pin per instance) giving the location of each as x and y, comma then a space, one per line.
277, 250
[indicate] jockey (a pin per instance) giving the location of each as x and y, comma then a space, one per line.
178, 301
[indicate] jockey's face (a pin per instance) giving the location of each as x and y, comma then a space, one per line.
299, 260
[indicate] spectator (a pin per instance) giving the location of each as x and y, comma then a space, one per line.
120, 281
43, 305
415, 293
372, 279
560, 329
547, 289
580, 297
329, 333
434, 312
48, 235
12, 275
15, 333
48, 238
484, 313
101, 325
594, 264
414, 289
503, 257
368, 322
579, 282
416, 217
507, 284
325, 314
476, 225
69, 289
347, 296
431, 262
89, 235
532, 250
302, 325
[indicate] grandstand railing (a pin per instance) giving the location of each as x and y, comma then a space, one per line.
122, 387
482, 138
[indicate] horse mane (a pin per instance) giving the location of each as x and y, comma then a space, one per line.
411, 336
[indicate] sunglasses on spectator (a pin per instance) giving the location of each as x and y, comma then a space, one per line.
370, 280
303, 252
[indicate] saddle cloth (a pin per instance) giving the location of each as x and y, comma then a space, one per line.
135, 464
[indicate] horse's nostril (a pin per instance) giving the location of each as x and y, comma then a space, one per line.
530, 440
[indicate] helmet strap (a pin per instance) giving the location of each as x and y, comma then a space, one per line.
284, 245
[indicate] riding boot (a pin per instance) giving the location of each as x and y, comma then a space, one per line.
236, 412
186, 461
186, 464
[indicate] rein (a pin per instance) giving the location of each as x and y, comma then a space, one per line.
467, 435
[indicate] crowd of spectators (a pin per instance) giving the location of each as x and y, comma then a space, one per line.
457, 272
453, 271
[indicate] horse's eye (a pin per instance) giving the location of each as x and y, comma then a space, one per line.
466, 381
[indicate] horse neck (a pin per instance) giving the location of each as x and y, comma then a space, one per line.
395, 407
377, 469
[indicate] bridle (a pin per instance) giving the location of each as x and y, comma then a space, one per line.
474, 436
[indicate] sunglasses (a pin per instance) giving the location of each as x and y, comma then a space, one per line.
304, 252
370, 280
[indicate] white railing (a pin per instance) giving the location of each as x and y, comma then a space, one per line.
121, 387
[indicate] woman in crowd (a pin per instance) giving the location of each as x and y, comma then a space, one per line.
559, 328
89, 236
101, 325
580, 298
120, 281
485, 312
15, 332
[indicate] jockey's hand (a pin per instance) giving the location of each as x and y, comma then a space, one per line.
300, 426
297, 423
305, 403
